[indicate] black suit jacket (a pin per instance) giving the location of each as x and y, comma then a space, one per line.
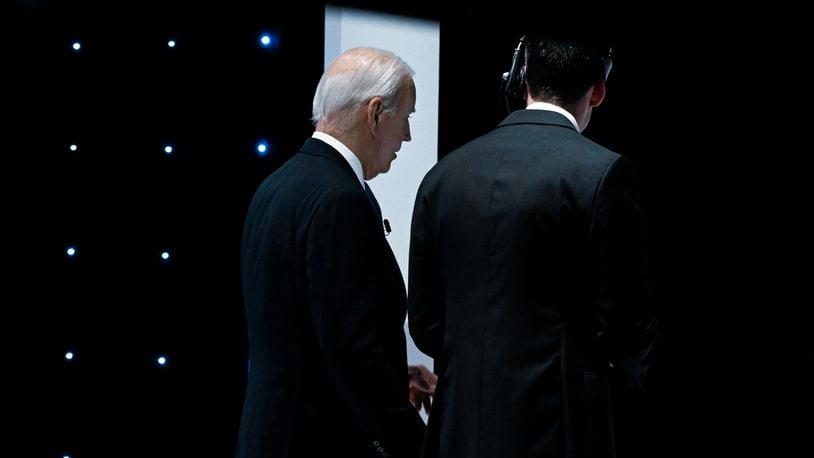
527, 277
325, 307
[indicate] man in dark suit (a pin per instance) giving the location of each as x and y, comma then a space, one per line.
528, 272
325, 300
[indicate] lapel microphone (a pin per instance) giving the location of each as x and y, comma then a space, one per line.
386, 227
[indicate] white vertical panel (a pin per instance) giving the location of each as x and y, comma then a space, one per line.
417, 41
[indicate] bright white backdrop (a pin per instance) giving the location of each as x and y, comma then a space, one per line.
417, 41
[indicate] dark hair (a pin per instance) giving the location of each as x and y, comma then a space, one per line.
560, 70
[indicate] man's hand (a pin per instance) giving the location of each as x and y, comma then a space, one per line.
422, 387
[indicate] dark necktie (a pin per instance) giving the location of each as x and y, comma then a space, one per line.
374, 202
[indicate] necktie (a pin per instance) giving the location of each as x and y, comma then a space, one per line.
374, 202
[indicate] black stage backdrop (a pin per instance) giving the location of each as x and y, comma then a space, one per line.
697, 109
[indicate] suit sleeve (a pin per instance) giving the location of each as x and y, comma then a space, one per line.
345, 265
617, 242
425, 297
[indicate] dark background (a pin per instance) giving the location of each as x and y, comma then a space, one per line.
696, 101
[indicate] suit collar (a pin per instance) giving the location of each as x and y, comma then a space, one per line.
350, 156
319, 148
542, 117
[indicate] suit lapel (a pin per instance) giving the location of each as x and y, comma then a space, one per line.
319, 148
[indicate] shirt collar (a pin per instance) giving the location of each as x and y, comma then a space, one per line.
551, 107
349, 156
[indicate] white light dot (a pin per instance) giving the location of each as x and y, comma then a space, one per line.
71, 251
171, 43
168, 149
66, 456
165, 255
262, 148
76, 46
73, 147
69, 356
269, 40
162, 360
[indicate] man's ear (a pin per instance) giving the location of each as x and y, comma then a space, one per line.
598, 94
374, 111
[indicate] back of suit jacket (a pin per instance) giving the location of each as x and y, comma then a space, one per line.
527, 244
325, 305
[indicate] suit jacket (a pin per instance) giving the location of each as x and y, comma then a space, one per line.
527, 278
325, 307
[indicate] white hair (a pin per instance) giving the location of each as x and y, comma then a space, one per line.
360, 75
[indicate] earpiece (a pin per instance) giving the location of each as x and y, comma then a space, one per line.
607, 62
514, 80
